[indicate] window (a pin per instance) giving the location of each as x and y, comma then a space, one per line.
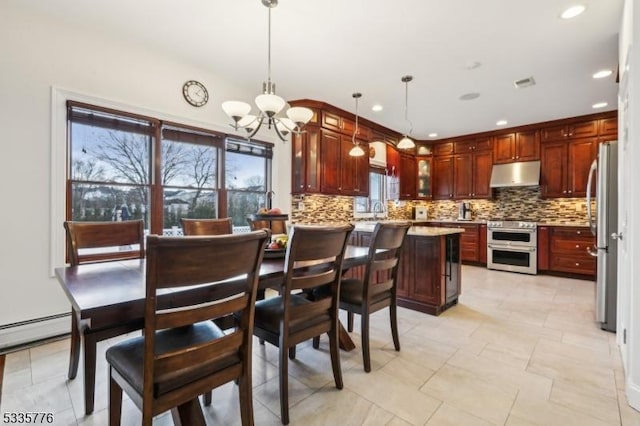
248, 178
124, 166
375, 204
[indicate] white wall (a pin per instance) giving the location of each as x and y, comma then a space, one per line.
629, 201
38, 54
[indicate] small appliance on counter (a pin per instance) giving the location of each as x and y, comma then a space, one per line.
420, 213
464, 211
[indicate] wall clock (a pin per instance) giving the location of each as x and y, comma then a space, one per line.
195, 93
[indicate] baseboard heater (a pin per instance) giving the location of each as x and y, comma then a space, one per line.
19, 333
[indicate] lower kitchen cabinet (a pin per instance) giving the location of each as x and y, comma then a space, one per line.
471, 245
568, 250
429, 274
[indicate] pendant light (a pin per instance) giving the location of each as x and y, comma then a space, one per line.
406, 142
357, 150
268, 103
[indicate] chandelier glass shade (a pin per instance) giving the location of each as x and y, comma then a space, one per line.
406, 142
269, 105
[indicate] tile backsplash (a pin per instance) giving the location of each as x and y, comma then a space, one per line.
524, 203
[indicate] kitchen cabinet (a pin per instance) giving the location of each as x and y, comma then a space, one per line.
472, 175
443, 177
519, 146
423, 165
608, 127
568, 250
342, 174
430, 273
543, 248
482, 244
565, 167
470, 240
305, 170
472, 145
408, 176
445, 148
568, 131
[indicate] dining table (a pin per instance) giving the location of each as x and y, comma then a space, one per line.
109, 294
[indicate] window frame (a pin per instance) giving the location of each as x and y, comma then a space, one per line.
155, 185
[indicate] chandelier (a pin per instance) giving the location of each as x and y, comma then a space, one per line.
268, 103
357, 150
406, 142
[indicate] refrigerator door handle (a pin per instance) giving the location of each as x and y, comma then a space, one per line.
592, 172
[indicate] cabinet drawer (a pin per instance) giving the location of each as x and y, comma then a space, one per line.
574, 264
576, 246
569, 232
462, 147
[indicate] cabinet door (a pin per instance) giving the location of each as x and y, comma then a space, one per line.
408, 177
469, 241
462, 176
608, 126
347, 166
393, 161
580, 155
424, 177
527, 146
361, 188
584, 129
331, 151
305, 173
426, 279
504, 149
552, 133
482, 163
482, 244
553, 169
443, 148
443, 178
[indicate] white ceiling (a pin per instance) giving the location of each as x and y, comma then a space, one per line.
326, 50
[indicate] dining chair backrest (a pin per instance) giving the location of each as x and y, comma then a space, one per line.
276, 225
314, 258
382, 267
89, 242
174, 263
207, 226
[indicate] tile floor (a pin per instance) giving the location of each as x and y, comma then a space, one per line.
517, 350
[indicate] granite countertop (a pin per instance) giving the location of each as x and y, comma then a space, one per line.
426, 231
580, 223
473, 221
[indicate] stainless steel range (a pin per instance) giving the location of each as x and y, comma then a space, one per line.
512, 246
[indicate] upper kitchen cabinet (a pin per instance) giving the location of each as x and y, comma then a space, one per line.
608, 128
518, 146
472, 145
445, 148
443, 177
408, 177
569, 130
565, 167
342, 174
423, 165
305, 158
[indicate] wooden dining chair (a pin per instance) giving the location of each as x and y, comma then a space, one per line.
207, 226
377, 290
314, 258
91, 242
182, 353
277, 225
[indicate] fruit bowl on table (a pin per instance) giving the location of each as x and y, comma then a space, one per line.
270, 216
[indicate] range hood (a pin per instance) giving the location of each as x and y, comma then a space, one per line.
526, 173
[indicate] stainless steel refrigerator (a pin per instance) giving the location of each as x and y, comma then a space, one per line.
604, 225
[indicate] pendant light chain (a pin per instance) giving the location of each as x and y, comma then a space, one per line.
269, 55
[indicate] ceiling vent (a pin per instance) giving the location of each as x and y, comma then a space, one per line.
525, 82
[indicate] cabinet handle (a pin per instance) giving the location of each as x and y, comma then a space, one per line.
578, 232
571, 134
577, 264
301, 186
513, 158
517, 156
469, 194
308, 186
569, 191
577, 246
474, 194
564, 192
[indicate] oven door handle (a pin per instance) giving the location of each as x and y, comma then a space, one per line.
512, 248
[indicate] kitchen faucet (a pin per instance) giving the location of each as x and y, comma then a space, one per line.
377, 207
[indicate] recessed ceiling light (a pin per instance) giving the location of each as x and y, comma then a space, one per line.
573, 11
469, 96
433, 135
603, 74
501, 122
376, 108
599, 105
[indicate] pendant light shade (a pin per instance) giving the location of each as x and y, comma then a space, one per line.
268, 103
406, 142
356, 151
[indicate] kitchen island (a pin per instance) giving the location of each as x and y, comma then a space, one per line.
429, 274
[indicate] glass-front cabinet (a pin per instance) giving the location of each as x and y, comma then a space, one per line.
424, 177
